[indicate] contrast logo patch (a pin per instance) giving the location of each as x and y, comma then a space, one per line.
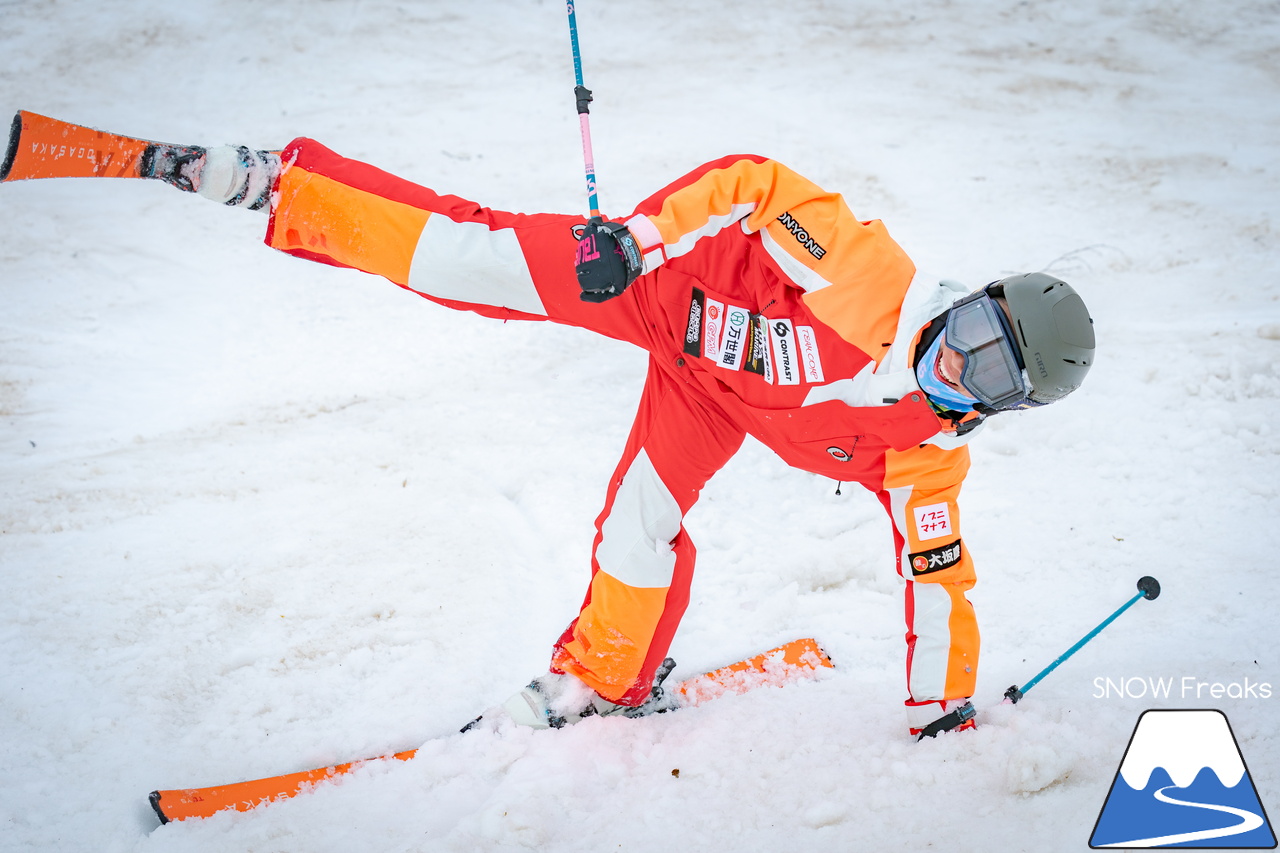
932, 521
935, 559
782, 335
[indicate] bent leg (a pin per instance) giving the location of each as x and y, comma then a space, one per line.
642, 560
330, 209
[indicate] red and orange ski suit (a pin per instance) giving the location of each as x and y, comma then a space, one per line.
766, 307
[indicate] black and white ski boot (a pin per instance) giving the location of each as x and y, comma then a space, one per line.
232, 175
557, 699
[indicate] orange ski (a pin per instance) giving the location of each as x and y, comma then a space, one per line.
783, 665
43, 147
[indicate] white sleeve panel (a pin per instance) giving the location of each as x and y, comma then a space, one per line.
714, 225
806, 279
468, 262
931, 622
635, 547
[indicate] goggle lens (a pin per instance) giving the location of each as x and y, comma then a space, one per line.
991, 370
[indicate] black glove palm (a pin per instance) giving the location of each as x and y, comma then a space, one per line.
608, 260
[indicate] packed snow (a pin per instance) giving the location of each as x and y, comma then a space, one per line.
261, 515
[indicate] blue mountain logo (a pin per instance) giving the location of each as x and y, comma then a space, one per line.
1183, 783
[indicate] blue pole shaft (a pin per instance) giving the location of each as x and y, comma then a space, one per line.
573, 37
583, 96
1087, 637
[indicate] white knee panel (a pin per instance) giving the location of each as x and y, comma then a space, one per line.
644, 518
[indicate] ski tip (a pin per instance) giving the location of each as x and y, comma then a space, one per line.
154, 798
11, 153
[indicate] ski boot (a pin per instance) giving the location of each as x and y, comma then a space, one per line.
232, 175
557, 699
929, 719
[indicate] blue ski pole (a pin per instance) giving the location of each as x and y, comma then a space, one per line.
583, 96
1148, 587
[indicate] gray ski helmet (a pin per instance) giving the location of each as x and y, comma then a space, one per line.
1053, 330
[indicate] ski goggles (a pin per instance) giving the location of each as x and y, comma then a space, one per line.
979, 331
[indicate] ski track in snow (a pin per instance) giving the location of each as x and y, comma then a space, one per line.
261, 515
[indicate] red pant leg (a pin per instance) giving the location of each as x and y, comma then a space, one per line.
514, 266
330, 209
642, 561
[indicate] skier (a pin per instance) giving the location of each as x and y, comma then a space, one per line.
767, 309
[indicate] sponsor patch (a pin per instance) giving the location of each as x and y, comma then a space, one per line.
694, 331
807, 349
732, 337
712, 328
935, 559
737, 326
782, 335
758, 358
932, 521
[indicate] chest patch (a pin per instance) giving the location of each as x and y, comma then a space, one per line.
779, 350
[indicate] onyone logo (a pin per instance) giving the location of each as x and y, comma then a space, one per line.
802, 236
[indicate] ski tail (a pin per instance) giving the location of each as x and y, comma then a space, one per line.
242, 796
11, 152
775, 668
43, 147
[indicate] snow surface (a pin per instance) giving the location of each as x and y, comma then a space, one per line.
261, 515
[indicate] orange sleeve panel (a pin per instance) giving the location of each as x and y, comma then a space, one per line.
852, 272
925, 482
343, 225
